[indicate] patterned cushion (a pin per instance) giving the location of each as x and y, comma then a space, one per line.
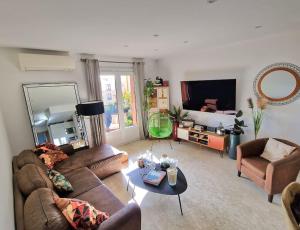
60, 183
80, 214
50, 154
52, 157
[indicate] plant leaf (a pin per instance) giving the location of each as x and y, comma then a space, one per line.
239, 113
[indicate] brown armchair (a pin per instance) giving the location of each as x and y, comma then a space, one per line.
273, 177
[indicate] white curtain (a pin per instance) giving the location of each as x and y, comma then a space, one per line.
139, 75
92, 72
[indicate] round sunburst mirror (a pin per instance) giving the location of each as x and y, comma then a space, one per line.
278, 83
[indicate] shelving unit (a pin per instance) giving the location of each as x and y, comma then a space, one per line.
207, 139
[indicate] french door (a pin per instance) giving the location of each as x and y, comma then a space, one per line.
120, 117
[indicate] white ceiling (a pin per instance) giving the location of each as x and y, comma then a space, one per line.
106, 26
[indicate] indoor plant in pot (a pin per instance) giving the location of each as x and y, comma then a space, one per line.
177, 115
235, 134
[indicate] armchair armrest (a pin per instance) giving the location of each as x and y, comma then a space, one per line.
280, 173
251, 148
128, 218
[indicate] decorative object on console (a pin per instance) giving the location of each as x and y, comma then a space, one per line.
220, 130
177, 116
279, 83
235, 133
93, 109
158, 81
257, 113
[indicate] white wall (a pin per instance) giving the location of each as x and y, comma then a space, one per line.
12, 98
6, 194
242, 61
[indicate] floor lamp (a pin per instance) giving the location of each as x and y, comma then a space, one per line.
93, 109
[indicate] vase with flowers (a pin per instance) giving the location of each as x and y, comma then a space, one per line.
257, 113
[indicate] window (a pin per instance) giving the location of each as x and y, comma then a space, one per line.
109, 94
119, 100
128, 100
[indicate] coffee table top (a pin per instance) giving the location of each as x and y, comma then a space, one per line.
135, 178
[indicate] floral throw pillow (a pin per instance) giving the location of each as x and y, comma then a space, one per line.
60, 182
50, 154
80, 214
52, 157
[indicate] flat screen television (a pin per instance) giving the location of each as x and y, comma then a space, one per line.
215, 96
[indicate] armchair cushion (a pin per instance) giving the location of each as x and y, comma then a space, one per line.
257, 165
276, 150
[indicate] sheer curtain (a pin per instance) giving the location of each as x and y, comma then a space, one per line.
92, 74
139, 75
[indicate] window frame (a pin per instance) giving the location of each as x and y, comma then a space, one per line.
120, 108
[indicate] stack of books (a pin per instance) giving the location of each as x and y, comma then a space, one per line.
154, 177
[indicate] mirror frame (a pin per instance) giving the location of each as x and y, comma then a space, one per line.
292, 69
27, 86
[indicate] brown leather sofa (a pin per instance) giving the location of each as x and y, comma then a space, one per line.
273, 177
33, 191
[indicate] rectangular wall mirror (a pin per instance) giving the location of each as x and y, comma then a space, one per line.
52, 114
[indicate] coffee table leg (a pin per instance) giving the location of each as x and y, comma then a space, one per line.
180, 204
127, 184
133, 191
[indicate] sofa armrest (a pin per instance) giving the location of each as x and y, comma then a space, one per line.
280, 173
128, 218
249, 149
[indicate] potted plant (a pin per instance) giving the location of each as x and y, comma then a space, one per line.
235, 134
177, 116
257, 113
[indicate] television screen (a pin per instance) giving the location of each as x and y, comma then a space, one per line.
215, 96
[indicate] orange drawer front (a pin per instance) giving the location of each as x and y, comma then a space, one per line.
216, 142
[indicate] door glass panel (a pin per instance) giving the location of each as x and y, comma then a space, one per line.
109, 94
128, 100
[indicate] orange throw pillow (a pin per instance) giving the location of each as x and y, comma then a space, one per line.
52, 157
80, 214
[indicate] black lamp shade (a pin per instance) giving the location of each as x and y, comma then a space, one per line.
90, 108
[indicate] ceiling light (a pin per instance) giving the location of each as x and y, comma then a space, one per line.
211, 1
155, 49
126, 46
185, 42
258, 27
156, 35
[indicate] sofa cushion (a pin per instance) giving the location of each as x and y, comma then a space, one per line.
102, 199
61, 184
52, 157
41, 212
87, 157
257, 165
276, 150
82, 180
30, 178
80, 214
28, 157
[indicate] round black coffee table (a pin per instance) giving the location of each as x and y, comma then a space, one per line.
136, 178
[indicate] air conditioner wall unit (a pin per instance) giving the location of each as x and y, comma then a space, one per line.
42, 62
